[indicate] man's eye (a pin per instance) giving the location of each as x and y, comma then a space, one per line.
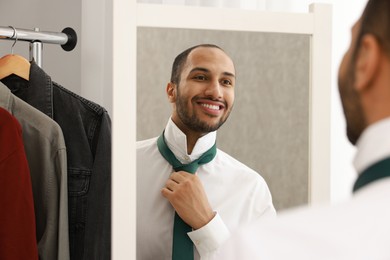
227, 82
200, 77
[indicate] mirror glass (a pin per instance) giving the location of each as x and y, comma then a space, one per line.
268, 129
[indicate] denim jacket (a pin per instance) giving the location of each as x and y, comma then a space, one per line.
87, 131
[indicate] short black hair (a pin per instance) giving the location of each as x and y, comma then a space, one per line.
375, 20
181, 59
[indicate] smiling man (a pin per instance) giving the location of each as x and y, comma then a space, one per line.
191, 195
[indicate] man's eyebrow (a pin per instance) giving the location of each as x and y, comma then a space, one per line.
200, 69
229, 74
208, 71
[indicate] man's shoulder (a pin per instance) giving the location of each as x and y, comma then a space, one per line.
146, 150
233, 163
145, 144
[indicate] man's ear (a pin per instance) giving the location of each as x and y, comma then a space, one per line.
367, 62
171, 92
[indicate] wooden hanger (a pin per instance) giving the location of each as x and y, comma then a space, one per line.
14, 64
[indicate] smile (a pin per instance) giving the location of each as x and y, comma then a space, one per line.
209, 106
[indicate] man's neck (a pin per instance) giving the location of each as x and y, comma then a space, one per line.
192, 138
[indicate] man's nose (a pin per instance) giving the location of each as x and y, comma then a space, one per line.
214, 89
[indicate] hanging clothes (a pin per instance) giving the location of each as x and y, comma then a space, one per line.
87, 130
46, 155
17, 219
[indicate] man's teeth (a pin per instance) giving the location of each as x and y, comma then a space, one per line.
214, 107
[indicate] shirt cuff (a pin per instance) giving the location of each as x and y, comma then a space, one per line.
209, 237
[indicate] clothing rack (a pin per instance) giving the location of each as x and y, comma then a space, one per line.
67, 39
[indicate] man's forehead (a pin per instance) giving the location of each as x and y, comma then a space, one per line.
200, 56
203, 52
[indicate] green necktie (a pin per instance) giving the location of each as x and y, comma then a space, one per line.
182, 245
372, 173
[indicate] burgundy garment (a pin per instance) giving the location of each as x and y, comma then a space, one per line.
17, 218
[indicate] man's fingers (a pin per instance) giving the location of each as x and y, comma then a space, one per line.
166, 192
180, 176
170, 184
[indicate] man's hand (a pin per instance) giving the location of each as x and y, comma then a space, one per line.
186, 194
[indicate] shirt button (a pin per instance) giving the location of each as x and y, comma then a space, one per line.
197, 242
186, 158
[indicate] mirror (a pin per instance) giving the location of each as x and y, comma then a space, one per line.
268, 129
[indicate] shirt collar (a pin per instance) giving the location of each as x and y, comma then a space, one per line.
177, 142
373, 145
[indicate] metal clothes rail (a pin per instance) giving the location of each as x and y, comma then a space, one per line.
67, 39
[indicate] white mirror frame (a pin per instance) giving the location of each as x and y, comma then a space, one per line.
128, 15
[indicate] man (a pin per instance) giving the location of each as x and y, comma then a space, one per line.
215, 196
359, 228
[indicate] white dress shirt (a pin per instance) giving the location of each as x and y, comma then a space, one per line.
236, 193
373, 145
358, 229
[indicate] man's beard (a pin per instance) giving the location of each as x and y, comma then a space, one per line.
192, 121
352, 106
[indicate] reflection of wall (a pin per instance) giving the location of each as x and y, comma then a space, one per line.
268, 128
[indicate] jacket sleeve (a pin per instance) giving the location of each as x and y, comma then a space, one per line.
98, 226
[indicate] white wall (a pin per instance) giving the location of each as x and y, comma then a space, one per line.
345, 13
96, 52
342, 152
